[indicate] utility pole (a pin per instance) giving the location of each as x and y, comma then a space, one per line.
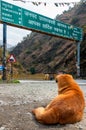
4, 50
78, 59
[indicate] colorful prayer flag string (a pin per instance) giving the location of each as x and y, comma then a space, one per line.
57, 4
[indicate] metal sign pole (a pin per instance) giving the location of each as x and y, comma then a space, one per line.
4, 50
78, 59
11, 70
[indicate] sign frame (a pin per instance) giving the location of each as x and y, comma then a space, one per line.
11, 59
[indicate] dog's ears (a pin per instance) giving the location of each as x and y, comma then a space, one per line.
57, 77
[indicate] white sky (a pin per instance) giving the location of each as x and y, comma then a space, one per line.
15, 35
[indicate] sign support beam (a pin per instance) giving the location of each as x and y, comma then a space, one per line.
4, 50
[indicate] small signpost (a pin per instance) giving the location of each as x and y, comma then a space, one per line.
1, 70
19, 17
12, 60
1, 67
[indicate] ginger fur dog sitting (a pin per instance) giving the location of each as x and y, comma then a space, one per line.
66, 107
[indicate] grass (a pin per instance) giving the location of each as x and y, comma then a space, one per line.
16, 77
29, 76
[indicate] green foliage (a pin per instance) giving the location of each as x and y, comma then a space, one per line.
74, 20
32, 70
15, 81
9, 81
28, 51
18, 65
84, 28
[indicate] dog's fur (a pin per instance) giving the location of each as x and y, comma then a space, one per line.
66, 107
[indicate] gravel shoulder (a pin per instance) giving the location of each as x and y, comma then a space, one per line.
18, 100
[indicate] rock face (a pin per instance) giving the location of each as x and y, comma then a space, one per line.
48, 54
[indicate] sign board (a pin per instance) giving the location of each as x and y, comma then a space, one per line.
23, 18
1, 67
11, 59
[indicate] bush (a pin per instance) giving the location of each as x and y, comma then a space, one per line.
32, 70
15, 81
74, 20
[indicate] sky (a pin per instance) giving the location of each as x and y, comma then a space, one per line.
14, 34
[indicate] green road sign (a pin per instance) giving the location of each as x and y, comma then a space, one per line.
20, 17
10, 13
0, 9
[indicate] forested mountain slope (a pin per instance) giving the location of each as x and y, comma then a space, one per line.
48, 54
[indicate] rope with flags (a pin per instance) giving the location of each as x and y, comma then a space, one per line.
45, 3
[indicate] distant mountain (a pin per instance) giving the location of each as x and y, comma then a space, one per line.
9, 46
1, 42
48, 54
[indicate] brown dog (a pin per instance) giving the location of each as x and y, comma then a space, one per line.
67, 107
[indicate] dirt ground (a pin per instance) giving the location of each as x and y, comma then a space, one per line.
18, 100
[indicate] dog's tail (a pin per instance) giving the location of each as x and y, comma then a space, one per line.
47, 116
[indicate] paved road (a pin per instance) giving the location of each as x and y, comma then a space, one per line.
82, 83
18, 100
79, 81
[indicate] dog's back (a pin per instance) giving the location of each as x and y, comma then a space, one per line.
67, 107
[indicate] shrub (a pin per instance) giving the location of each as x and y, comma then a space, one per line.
32, 70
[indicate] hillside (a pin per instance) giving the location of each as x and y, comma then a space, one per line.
48, 54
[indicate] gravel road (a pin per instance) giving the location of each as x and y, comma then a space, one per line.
18, 100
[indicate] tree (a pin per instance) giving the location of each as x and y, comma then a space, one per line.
32, 70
